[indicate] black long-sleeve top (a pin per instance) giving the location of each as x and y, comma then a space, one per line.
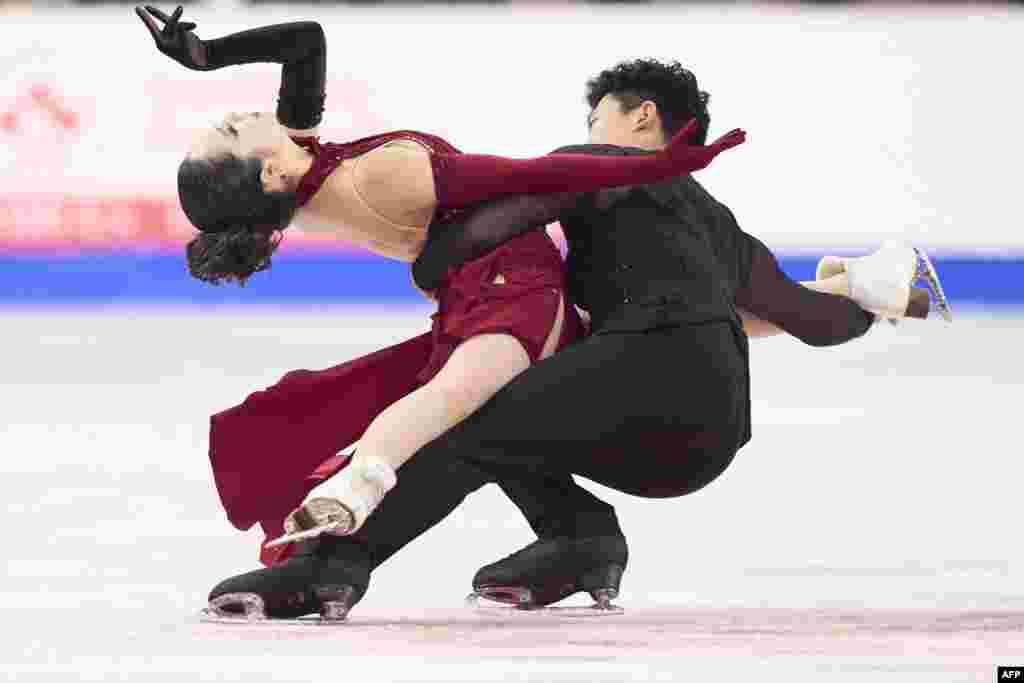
640, 257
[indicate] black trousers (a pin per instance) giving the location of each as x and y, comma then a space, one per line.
658, 413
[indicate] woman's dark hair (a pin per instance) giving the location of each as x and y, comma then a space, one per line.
225, 196
670, 86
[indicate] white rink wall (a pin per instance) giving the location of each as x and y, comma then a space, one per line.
863, 123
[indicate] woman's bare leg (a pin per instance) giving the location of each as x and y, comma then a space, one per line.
477, 369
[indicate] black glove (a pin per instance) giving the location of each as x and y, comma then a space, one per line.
176, 40
300, 47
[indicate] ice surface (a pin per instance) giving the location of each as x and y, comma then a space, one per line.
871, 530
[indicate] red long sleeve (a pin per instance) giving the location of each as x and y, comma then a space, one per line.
466, 179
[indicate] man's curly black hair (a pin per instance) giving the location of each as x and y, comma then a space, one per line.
670, 86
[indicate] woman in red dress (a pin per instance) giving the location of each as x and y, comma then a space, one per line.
243, 182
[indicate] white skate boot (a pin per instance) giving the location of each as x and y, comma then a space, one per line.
883, 282
341, 509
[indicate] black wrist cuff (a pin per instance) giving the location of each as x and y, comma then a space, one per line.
300, 111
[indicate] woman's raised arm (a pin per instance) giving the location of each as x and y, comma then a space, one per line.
300, 47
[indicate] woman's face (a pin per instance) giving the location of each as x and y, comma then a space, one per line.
255, 134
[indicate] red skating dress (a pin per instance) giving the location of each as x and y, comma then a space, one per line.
269, 452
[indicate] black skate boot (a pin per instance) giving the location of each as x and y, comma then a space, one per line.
551, 569
327, 576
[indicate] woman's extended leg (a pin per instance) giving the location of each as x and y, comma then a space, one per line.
803, 312
476, 370
816, 318
839, 285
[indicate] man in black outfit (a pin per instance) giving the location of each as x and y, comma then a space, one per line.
655, 402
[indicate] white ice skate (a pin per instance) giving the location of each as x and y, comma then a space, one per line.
883, 282
341, 509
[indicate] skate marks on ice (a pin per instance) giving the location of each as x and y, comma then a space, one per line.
963, 635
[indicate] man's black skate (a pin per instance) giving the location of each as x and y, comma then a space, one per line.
327, 576
552, 569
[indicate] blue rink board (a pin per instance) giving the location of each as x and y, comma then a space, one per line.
163, 279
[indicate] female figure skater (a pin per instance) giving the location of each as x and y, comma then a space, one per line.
243, 182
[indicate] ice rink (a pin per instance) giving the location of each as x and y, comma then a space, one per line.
870, 531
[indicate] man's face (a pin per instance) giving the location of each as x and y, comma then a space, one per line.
609, 126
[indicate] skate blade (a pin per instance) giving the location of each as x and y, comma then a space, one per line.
302, 536
494, 609
930, 276
497, 603
305, 535
333, 611
317, 516
208, 616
